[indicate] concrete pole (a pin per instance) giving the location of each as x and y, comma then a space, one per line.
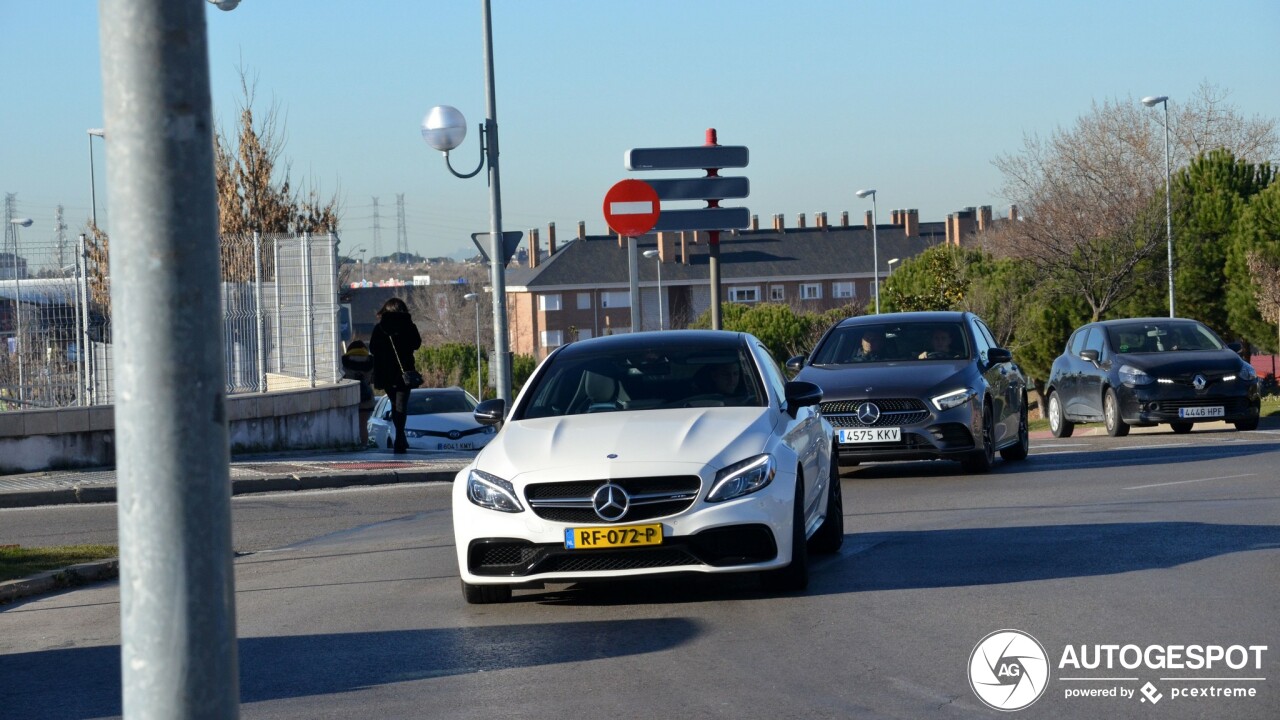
177, 590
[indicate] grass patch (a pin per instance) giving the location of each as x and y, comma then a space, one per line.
19, 562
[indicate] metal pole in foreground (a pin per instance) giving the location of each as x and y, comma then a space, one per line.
1168, 204
497, 252
177, 594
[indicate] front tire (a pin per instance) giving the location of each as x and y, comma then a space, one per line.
793, 577
1247, 425
981, 460
1116, 426
830, 535
1020, 451
1059, 425
1181, 428
485, 594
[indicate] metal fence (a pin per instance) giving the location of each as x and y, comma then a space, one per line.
279, 303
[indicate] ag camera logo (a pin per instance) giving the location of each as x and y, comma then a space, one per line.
1008, 670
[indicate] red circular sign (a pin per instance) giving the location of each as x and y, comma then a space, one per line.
631, 207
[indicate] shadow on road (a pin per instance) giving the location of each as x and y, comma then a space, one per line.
996, 556
80, 683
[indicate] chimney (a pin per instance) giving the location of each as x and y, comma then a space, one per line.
911, 222
820, 220
893, 217
551, 238
800, 221
870, 221
755, 222
534, 248
666, 247
1013, 212
622, 241
582, 230
950, 218
779, 223
684, 250
844, 218
984, 218
962, 224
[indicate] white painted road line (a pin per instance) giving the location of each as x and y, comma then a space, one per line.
1184, 482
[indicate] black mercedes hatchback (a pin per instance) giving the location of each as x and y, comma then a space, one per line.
919, 386
1149, 371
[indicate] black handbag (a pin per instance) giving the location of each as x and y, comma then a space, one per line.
411, 378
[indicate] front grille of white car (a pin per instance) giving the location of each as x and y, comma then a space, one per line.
649, 498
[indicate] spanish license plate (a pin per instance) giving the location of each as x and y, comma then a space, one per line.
1201, 412
870, 435
589, 538
455, 446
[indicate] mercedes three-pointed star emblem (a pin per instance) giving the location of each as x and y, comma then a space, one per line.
610, 502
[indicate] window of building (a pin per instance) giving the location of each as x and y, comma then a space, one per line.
842, 289
549, 302
584, 333
552, 338
744, 294
811, 291
584, 301
615, 299
777, 293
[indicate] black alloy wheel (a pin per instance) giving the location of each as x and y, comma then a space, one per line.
1023, 447
795, 576
981, 459
830, 534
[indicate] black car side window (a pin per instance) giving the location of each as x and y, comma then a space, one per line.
1076, 344
981, 346
1097, 342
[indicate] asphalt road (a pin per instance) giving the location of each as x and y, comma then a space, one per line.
348, 602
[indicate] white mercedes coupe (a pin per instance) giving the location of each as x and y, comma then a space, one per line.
651, 453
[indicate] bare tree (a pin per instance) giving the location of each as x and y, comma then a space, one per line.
1091, 195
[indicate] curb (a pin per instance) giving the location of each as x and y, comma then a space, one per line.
60, 579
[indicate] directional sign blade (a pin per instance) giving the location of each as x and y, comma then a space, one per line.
696, 157
510, 241
704, 219
708, 188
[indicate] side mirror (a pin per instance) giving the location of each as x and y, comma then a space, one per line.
490, 412
799, 393
795, 364
998, 355
1090, 355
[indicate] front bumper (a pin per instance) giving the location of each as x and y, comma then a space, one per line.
1162, 403
926, 434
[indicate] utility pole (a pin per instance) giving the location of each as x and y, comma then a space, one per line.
177, 585
402, 230
377, 230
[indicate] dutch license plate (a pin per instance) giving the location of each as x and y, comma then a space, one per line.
1201, 412
455, 446
589, 538
870, 435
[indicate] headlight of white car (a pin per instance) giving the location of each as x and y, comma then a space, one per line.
743, 478
946, 401
492, 492
1132, 376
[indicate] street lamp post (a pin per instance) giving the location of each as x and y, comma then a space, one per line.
444, 128
476, 298
875, 245
658, 261
1152, 101
17, 304
93, 182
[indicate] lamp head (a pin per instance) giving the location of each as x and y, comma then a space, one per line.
444, 128
24, 222
470, 296
99, 132
226, 5
893, 261
651, 253
864, 193
1153, 100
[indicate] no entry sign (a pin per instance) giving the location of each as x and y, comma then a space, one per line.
631, 207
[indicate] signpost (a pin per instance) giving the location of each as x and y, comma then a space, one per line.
631, 208
510, 241
712, 188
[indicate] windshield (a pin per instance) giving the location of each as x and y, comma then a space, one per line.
893, 342
428, 402
644, 379
1162, 336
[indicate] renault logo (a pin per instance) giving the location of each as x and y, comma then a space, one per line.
454, 434
868, 413
1198, 382
610, 502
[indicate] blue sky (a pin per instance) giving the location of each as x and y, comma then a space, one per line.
913, 98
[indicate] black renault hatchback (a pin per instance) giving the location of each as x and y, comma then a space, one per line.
1149, 371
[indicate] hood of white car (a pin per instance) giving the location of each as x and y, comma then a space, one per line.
601, 445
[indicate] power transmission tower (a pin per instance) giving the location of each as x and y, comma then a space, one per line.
402, 232
10, 241
377, 230
60, 237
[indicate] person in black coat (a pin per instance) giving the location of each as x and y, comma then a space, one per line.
394, 340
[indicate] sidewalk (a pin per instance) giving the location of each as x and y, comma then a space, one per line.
249, 474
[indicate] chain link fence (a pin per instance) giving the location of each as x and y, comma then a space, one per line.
279, 303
